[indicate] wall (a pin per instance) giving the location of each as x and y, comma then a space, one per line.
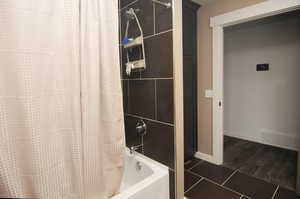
149, 94
205, 65
263, 106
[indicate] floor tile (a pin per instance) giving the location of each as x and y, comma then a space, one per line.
249, 186
191, 163
189, 180
269, 163
285, 194
209, 190
213, 172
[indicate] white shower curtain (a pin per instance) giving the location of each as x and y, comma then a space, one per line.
61, 122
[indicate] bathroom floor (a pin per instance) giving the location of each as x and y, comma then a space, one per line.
250, 170
269, 163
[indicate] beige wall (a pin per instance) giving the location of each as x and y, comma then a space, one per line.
205, 65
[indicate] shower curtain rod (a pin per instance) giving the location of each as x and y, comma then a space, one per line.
167, 5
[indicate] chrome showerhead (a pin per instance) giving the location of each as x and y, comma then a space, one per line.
130, 14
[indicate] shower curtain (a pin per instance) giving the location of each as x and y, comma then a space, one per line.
61, 122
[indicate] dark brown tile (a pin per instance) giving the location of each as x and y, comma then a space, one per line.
269, 163
125, 2
190, 179
145, 16
159, 143
165, 102
163, 17
250, 186
131, 136
125, 95
172, 184
159, 56
208, 190
237, 152
213, 172
285, 194
120, 57
191, 163
142, 98
245, 197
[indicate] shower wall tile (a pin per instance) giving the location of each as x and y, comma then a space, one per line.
121, 61
132, 138
165, 101
159, 56
149, 94
142, 98
125, 84
158, 142
163, 17
126, 2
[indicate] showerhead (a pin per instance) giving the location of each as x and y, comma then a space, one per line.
130, 14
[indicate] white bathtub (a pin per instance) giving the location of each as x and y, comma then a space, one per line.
144, 179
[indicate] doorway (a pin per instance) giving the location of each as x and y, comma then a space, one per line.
259, 11
262, 99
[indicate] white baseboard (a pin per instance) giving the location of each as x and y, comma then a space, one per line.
270, 138
206, 157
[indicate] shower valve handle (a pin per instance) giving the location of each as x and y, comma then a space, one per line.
141, 128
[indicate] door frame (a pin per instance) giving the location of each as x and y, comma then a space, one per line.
218, 23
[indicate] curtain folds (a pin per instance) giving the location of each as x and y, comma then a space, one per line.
61, 116
101, 98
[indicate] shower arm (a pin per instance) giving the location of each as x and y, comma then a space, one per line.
167, 5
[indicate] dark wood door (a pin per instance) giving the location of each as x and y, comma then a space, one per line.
190, 77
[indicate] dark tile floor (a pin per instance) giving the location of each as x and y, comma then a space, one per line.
204, 180
272, 164
201, 183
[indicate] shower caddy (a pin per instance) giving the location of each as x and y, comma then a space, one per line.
129, 43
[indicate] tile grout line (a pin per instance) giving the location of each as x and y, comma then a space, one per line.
156, 34
196, 183
257, 178
229, 177
275, 192
219, 185
195, 165
149, 78
151, 120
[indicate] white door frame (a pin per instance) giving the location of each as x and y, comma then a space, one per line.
257, 11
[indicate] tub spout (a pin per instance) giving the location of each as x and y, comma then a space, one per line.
133, 149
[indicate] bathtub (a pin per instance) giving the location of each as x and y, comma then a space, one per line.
143, 179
